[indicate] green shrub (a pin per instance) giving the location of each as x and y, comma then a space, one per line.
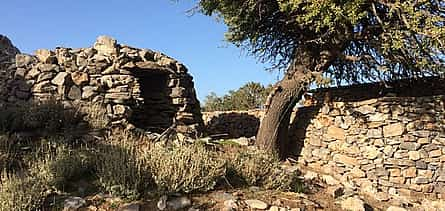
186, 169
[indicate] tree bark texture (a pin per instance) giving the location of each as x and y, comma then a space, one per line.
273, 133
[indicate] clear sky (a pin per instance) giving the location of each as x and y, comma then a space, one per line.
162, 25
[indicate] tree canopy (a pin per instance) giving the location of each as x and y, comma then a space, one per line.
252, 95
359, 40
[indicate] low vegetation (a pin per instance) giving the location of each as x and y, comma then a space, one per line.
123, 164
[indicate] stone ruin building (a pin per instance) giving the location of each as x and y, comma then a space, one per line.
140, 87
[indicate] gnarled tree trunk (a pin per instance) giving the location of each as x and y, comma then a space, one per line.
274, 127
273, 132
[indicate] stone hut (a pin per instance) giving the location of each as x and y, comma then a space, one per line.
138, 87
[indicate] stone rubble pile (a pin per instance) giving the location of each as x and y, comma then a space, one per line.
137, 86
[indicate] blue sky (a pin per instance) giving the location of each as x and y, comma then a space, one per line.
162, 25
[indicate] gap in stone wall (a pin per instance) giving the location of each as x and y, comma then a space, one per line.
157, 111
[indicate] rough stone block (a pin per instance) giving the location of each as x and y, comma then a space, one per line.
396, 129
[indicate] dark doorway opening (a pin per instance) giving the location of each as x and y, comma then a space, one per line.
156, 113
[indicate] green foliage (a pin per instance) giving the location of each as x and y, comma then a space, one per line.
250, 96
349, 40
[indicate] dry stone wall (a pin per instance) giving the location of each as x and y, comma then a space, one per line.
138, 87
380, 140
392, 144
232, 124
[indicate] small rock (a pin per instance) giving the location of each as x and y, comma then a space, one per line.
74, 93
79, 78
382, 196
130, 207
230, 204
393, 208
73, 203
395, 129
310, 175
23, 60
60, 78
162, 203
275, 208
179, 203
330, 180
46, 56
223, 196
106, 45
353, 204
88, 91
256, 204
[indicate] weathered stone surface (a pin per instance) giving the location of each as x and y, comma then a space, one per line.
345, 159
74, 93
106, 45
366, 109
391, 130
22, 60
60, 78
410, 146
353, 203
256, 204
374, 133
79, 78
414, 155
372, 152
336, 133
73, 203
88, 92
393, 208
179, 202
45, 56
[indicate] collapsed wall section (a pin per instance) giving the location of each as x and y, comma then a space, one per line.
137, 87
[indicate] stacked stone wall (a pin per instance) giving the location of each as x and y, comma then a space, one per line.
380, 138
232, 124
136, 86
393, 144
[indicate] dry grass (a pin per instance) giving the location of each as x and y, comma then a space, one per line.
119, 168
124, 170
257, 168
186, 169
18, 193
95, 115
50, 117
